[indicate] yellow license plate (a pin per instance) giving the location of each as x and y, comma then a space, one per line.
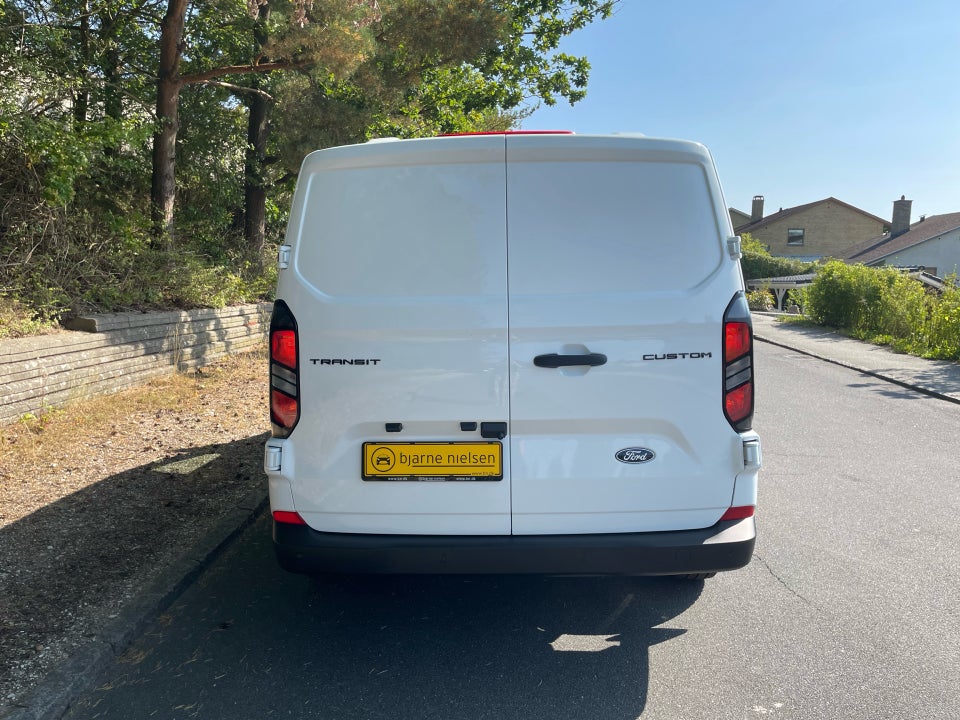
425, 461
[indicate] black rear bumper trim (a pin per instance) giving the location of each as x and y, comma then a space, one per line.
724, 546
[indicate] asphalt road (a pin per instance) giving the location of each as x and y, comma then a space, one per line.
849, 609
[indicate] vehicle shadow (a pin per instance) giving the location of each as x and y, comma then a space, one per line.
249, 640
504, 647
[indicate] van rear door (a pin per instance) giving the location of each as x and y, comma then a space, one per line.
617, 260
399, 288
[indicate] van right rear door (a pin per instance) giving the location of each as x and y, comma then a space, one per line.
616, 255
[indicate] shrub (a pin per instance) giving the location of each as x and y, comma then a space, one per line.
885, 306
760, 299
842, 296
757, 262
941, 332
17, 320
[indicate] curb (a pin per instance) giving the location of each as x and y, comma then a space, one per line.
53, 697
872, 373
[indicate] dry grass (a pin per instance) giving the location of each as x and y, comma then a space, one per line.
56, 443
97, 498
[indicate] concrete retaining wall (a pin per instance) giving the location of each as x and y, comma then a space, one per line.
105, 353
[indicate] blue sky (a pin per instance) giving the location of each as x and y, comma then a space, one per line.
797, 101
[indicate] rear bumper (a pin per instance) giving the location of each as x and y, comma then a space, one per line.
725, 546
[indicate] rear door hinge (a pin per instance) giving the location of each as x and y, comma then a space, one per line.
734, 247
283, 257
273, 458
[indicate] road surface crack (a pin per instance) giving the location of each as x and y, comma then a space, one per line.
783, 582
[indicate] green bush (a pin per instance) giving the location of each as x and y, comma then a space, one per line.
757, 262
16, 320
760, 299
941, 332
842, 296
887, 307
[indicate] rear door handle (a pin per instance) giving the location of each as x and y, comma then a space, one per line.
553, 360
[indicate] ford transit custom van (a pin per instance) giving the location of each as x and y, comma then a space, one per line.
512, 352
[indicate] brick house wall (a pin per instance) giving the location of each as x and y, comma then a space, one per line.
823, 229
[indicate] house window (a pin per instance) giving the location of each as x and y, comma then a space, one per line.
795, 236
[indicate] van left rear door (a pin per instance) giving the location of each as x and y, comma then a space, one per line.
399, 289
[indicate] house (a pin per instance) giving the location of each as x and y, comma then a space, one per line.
932, 243
738, 217
825, 228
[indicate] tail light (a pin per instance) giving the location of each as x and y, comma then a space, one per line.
284, 372
738, 364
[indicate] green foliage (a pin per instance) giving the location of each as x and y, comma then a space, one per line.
885, 306
842, 296
760, 299
78, 92
940, 334
796, 296
18, 320
526, 65
757, 262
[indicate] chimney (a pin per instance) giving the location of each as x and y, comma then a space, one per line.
901, 216
757, 212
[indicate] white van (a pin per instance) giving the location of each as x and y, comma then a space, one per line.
512, 352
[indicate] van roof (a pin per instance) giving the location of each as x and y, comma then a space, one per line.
482, 132
510, 132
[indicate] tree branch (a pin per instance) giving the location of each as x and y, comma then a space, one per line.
240, 89
215, 73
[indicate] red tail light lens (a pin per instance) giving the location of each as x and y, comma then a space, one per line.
283, 348
738, 380
739, 403
284, 374
283, 409
736, 340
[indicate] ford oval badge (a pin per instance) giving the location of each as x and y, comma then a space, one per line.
635, 456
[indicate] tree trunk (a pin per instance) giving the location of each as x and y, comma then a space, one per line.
110, 24
254, 178
81, 98
254, 181
164, 187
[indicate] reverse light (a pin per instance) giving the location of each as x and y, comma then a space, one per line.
738, 381
284, 371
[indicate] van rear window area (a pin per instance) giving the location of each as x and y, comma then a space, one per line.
406, 231
583, 227
589, 228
